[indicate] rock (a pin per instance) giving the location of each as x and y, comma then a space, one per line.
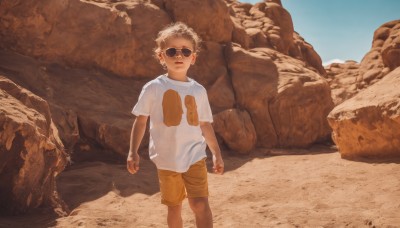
70, 32
240, 36
257, 38
391, 46
275, 1
342, 78
384, 52
209, 18
107, 134
213, 75
276, 32
91, 73
347, 79
236, 129
279, 93
310, 56
278, 28
98, 104
67, 125
221, 95
368, 125
283, 22
254, 79
300, 107
31, 152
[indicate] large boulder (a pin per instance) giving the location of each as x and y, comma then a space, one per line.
236, 129
302, 102
31, 152
112, 35
255, 79
209, 17
88, 106
213, 75
391, 46
268, 24
368, 125
288, 103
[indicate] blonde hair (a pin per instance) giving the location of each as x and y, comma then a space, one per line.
178, 29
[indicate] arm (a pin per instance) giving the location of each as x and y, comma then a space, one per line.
137, 133
211, 140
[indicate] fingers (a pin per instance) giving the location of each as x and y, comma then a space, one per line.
218, 169
132, 166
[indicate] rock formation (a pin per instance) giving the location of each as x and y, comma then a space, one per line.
349, 78
237, 130
342, 78
111, 35
268, 24
368, 125
31, 153
280, 96
86, 106
366, 121
288, 108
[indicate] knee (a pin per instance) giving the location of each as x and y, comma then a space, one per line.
174, 209
199, 205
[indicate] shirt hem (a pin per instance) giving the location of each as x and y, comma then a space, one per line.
183, 170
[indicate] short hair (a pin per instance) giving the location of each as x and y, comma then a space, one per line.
178, 29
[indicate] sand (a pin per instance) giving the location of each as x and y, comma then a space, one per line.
270, 188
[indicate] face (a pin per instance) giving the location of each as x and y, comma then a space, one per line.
176, 55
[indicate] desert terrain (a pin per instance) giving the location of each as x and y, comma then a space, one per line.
269, 188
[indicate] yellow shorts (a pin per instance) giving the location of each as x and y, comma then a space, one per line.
175, 186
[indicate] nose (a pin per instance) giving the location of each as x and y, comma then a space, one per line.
179, 53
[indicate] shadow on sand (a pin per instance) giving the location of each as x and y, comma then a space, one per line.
91, 180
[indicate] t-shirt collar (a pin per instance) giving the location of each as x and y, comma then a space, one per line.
179, 83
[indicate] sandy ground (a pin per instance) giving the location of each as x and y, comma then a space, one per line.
278, 188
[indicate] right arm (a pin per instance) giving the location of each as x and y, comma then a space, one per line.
137, 133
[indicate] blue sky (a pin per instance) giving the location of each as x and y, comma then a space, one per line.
339, 29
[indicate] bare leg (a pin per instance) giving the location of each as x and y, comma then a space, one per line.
202, 212
174, 218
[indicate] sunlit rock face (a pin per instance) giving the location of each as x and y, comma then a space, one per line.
349, 78
31, 152
92, 70
368, 125
365, 121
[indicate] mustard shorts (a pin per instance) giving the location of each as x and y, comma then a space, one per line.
175, 187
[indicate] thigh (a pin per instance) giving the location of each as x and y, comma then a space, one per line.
172, 187
195, 180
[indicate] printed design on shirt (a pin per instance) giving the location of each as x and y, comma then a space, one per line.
191, 115
172, 109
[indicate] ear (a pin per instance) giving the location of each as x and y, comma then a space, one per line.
160, 57
194, 57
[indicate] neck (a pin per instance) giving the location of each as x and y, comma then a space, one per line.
178, 76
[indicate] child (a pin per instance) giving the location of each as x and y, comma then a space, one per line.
180, 128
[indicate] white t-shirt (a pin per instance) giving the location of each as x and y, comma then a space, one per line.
175, 109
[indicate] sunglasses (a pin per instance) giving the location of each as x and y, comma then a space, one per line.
171, 52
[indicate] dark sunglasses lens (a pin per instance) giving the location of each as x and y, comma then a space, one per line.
171, 52
186, 52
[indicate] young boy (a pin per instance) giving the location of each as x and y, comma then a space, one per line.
180, 128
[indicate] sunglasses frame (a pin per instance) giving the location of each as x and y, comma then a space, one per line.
175, 52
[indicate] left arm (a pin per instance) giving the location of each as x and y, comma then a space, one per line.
211, 140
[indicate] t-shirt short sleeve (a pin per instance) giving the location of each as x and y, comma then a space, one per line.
205, 113
145, 101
